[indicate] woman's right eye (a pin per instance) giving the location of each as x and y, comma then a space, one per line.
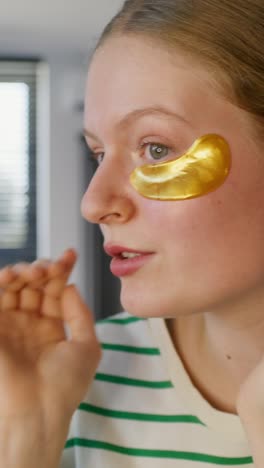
98, 157
157, 151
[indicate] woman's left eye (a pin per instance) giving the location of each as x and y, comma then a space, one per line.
156, 151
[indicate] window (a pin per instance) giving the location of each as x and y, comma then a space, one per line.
17, 161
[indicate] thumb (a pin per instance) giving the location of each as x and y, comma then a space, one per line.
77, 316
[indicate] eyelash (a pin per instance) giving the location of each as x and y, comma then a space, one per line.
148, 143
97, 156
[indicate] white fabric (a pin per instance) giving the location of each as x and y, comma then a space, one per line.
204, 438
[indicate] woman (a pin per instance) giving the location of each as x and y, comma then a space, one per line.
174, 117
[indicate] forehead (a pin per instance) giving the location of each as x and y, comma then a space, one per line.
127, 73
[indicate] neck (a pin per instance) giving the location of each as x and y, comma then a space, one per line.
219, 349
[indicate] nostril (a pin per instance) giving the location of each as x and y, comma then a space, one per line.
110, 217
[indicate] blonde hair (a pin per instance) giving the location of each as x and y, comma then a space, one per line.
225, 35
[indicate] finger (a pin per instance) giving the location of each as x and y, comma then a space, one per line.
62, 267
30, 300
68, 260
64, 263
69, 257
36, 275
54, 269
50, 270
8, 301
51, 307
55, 287
77, 316
25, 274
16, 285
51, 267
42, 264
7, 275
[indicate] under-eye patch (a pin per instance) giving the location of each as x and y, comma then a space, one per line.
202, 169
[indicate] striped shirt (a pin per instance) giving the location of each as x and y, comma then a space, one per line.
142, 410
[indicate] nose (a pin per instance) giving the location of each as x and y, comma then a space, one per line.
108, 198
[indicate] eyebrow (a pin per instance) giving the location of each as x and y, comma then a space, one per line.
138, 113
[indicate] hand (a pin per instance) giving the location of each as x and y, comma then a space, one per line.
43, 375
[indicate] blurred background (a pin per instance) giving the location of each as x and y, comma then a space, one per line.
45, 168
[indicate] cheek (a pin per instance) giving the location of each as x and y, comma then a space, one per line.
179, 220
213, 225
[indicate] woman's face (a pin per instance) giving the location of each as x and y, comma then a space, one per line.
199, 254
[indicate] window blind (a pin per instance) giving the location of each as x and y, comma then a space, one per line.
18, 110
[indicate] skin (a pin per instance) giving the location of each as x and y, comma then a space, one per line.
39, 363
206, 274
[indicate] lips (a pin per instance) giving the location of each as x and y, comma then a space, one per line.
117, 250
122, 266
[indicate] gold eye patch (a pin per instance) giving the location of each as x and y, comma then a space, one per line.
202, 169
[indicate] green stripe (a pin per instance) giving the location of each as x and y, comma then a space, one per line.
199, 457
131, 349
121, 321
163, 418
132, 382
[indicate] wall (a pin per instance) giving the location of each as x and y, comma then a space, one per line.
60, 170
62, 38
63, 175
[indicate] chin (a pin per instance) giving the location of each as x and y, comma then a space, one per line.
136, 304
147, 306
164, 303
